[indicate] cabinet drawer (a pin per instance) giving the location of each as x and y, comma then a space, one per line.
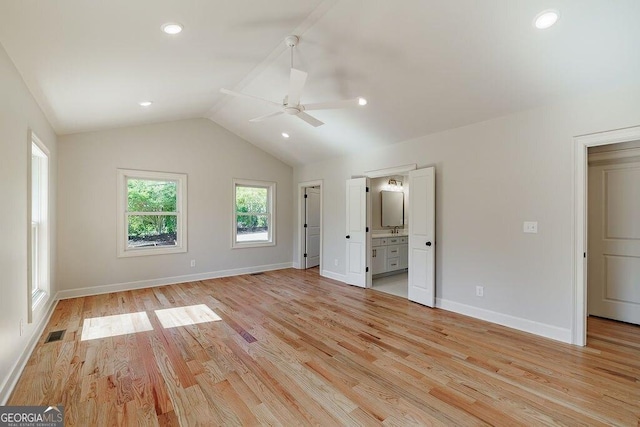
393, 251
393, 264
394, 240
378, 242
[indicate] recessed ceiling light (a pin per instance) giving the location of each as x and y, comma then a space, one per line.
546, 19
172, 28
362, 101
285, 135
145, 103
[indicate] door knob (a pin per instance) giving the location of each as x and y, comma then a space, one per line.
348, 237
428, 243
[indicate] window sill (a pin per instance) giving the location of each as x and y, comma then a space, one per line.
243, 245
38, 300
149, 251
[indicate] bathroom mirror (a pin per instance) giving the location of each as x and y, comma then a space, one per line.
392, 208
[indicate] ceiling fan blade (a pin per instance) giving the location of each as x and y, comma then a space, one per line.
244, 95
266, 116
309, 119
347, 103
296, 84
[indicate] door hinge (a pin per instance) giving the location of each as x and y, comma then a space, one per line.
367, 230
305, 196
585, 255
305, 255
367, 269
305, 226
367, 188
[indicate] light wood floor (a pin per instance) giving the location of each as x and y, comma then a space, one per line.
293, 348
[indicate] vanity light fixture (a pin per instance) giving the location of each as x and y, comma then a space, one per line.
393, 185
546, 19
171, 28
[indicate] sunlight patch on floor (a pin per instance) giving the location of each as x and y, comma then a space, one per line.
183, 316
112, 326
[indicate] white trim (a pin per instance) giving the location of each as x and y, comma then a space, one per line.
335, 276
579, 231
614, 155
181, 212
298, 261
526, 325
43, 269
141, 284
396, 170
271, 214
15, 372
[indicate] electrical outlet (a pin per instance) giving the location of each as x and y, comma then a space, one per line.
479, 291
335, 262
21, 327
530, 227
193, 263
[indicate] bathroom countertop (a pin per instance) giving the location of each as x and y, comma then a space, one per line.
382, 235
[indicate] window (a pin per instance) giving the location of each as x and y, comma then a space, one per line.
152, 213
39, 222
253, 213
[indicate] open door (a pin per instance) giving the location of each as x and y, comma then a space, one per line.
311, 227
422, 230
357, 248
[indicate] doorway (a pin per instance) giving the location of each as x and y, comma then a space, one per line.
581, 255
389, 234
310, 225
420, 238
613, 232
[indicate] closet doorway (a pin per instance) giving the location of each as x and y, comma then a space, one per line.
310, 224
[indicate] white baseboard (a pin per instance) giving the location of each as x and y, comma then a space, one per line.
128, 286
526, 325
334, 276
11, 380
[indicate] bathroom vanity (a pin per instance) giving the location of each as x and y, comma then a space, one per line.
389, 253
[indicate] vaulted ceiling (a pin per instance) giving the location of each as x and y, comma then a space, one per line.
423, 65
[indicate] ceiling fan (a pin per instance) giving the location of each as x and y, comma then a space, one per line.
291, 103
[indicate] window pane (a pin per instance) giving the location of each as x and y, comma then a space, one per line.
252, 228
251, 199
152, 230
145, 195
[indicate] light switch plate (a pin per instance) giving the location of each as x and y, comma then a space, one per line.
530, 227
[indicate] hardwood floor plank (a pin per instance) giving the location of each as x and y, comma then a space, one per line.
294, 348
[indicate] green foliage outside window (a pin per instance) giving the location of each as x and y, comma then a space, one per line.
151, 196
251, 209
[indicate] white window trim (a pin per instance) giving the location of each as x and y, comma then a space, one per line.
271, 199
181, 207
38, 298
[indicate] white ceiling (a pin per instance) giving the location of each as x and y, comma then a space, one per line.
424, 65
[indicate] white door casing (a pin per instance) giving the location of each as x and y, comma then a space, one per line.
312, 228
356, 237
614, 241
422, 236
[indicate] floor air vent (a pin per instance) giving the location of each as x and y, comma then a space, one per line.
256, 274
55, 336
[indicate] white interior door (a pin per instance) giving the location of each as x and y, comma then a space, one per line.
614, 242
422, 230
312, 227
357, 246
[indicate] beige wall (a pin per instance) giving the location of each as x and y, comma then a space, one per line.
18, 114
210, 156
490, 177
